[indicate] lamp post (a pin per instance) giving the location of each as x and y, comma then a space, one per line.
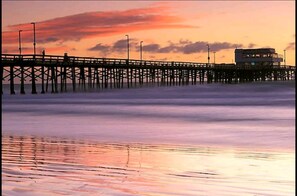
34, 43
22, 68
141, 50
127, 47
33, 71
214, 57
208, 58
284, 57
20, 45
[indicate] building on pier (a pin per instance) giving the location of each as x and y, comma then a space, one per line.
257, 57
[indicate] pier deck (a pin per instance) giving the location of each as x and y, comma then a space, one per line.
54, 72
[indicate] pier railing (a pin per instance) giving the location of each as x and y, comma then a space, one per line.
118, 73
54, 59
38, 59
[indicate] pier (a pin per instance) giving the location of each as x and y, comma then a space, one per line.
55, 73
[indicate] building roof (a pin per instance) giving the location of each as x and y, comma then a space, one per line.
255, 50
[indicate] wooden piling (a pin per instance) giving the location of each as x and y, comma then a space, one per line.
33, 79
12, 92
22, 91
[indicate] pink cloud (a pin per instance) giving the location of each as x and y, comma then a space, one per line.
94, 24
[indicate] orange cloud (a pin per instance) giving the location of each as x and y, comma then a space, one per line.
94, 24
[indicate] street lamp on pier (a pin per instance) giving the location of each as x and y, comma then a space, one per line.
141, 50
22, 68
284, 57
20, 45
33, 71
34, 43
214, 57
208, 58
127, 47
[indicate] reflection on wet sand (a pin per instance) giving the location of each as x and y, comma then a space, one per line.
47, 165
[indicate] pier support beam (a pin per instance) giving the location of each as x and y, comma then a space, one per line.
22, 90
73, 78
33, 81
42, 79
12, 92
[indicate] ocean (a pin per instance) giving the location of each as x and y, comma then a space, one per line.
210, 139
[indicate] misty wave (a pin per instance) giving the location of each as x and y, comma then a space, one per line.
212, 114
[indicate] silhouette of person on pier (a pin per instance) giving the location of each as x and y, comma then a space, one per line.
43, 55
66, 58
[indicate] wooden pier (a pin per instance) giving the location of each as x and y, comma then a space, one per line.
53, 73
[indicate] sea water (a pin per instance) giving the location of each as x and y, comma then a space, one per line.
211, 139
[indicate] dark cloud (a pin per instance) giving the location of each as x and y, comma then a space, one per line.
100, 48
223, 46
251, 45
47, 40
122, 45
168, 49
156, 48
184, 41
189, 47
118, 46
183, 46
151, 47
193, 47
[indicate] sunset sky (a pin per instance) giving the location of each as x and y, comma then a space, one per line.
170, 30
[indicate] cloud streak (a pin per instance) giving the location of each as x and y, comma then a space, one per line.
95, 24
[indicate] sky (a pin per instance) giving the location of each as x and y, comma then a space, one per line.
170, 30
